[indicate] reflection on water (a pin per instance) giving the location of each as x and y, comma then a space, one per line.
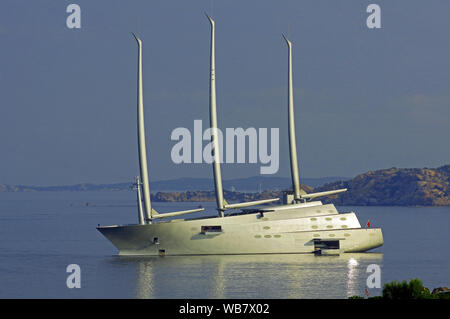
145, 280
352, 276
251, 276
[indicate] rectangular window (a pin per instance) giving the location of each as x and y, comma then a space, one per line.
211, 229
326, 244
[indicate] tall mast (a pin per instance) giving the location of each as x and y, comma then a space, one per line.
213, 124
139, 200
141, 140
292, 142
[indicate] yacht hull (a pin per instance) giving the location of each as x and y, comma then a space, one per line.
240, 235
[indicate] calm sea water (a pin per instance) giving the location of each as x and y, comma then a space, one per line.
42, 233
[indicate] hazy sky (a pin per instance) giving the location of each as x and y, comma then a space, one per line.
364, 98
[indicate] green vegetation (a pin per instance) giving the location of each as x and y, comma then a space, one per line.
413, 289
403, 290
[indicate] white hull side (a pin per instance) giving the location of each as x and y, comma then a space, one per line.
184, 237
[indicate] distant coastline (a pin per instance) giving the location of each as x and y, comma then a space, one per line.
394, 187
386, 187
254, 184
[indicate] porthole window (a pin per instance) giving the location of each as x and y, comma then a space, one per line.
328, 218
343, 218
266, 227
277, 236
267, 236
313, 219
316, 235
332, 235
257, 236
314, 226
344, 226
347, 235
329, 226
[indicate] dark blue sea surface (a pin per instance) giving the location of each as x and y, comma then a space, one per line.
42, 233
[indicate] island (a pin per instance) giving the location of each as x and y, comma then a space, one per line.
384, 187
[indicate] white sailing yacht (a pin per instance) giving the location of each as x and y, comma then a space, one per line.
298, 228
